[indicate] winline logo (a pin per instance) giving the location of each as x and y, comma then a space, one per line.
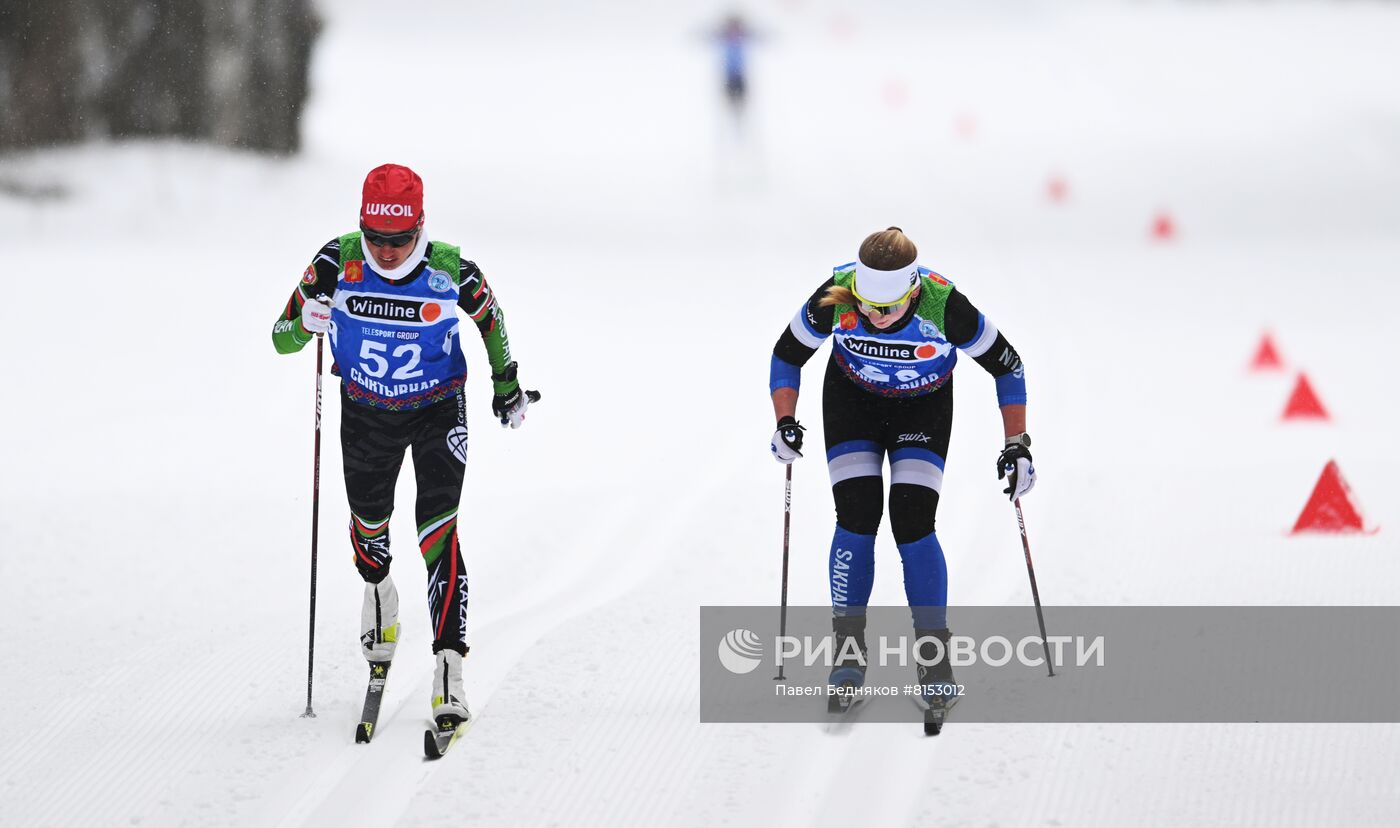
393, 309
890, 350
741, 651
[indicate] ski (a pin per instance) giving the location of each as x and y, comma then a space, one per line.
436, 742
848, 681
936, 714
842, 705
840, 720
843, 701
933, 720
374, 695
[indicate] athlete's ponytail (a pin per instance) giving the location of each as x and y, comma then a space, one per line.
837, 295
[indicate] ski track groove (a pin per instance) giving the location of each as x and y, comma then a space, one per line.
118, 772
886, 761
659, 743
525, 621
657, 724
660, 740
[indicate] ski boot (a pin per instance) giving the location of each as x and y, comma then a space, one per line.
937, 691
449, 699
451, 718
379, 621
848, 671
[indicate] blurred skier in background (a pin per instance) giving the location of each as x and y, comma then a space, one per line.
888, 390
734, 38
739, 157
388, 298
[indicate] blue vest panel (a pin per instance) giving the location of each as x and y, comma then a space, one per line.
396, 344
914, 360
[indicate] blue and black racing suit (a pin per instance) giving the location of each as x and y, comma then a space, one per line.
890, 392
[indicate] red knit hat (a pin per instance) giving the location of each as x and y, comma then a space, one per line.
393, 199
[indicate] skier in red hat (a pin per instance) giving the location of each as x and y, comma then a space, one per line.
388, 299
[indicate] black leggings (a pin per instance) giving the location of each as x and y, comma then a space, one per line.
860, 429
373, 442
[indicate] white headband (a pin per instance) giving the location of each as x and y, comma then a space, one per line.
885, 287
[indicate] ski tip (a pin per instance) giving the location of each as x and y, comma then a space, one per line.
934, 719
933, 723
437, 742
363, 732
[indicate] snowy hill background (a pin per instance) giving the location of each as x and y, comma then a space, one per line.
156, 450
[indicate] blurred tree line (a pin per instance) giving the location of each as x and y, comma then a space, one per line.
233, 72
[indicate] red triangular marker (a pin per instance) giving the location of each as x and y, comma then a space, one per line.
1266, 357
1330, 509
1163, 228
1303, 404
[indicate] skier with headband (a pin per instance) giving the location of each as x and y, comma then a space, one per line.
896, 328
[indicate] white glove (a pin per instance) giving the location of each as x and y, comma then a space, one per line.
1015, 466
316, 315
787, 441
510, 408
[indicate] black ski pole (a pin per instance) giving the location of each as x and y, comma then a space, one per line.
787, 527
1035, 592
315, 522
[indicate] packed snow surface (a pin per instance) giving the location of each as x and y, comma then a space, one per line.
155, 500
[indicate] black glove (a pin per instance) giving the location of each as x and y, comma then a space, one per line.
510, 401
1014, 465
787, 440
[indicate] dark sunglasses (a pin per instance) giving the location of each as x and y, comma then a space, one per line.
391, 240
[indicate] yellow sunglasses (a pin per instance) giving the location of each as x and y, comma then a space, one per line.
867, 307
